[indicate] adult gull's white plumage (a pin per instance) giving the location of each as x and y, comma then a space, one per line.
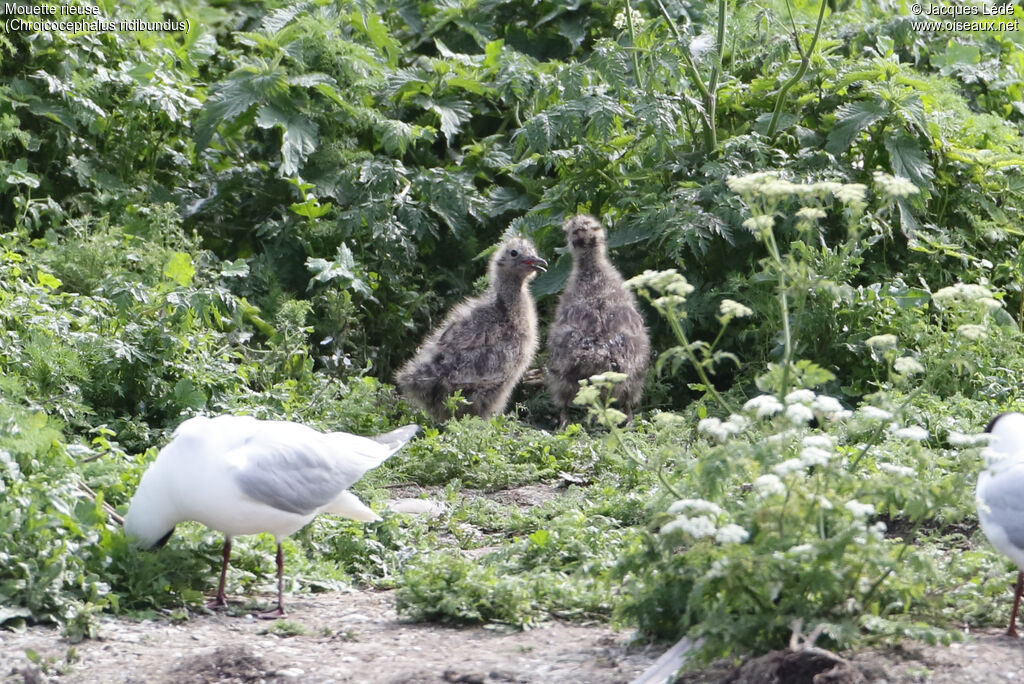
241, 475
1000, 496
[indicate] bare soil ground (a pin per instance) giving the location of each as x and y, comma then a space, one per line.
348, 637
357, 637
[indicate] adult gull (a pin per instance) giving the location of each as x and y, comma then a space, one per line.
999, 496
241, 475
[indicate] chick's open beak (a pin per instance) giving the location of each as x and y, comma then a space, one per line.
536, 263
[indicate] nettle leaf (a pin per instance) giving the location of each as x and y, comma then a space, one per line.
343, 267
299, 138
908, 160
377, 31
185, 394
453, 114
16, 174
179, 268
229, 100
851, 119
311, 208
396, 136
539, 134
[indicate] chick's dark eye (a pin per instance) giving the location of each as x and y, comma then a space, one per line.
514, 253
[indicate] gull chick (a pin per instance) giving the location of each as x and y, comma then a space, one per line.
484, 344
241, 475
999, 496
597, 326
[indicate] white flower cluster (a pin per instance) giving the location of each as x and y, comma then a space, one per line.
810, 213
695, 506
764, 406
607, 379
873, 413
696, 518
830, 407
621, 21
820, 441
757, 224
797, 411
852, 193
799, 414
723, 430
768, 184
972, 332
769, 484
897, 470
907, 365
895, 186
731, 534
668, 280
814, 456
962, 292
881, 343
800, 396
698, 527
911, 433
960, 440
732, 309
673, 287
790, 465
858, 509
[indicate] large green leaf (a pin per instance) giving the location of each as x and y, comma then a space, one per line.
851, 119
908, 160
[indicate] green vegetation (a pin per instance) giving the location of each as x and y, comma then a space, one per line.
821, 207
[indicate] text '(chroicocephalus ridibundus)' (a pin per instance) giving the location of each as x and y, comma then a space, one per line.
241, 475
1000, 495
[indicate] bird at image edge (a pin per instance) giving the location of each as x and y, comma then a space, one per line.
1000, 504
241, 475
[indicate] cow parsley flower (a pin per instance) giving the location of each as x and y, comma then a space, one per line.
874, 413
698, 527
907, 365
911, 433
895, 186
695, 506
959, 439
769, 484
972, 332
764, 405
733, 309
798, 414
757, 224
810, 214
813, 456
830, 407
881, 343
820, 441
790, 465
731, 534
800, 396
897, 470
852, 193
858, 509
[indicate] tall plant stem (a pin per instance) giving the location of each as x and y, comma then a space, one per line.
805, 61
716, 71
787, 335
677, 330
632, 40
708, 92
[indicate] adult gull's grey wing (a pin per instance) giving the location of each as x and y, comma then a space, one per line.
1002, 496
298, 478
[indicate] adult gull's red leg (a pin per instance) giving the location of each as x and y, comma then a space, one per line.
279, 611
221, 600
1012, 631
